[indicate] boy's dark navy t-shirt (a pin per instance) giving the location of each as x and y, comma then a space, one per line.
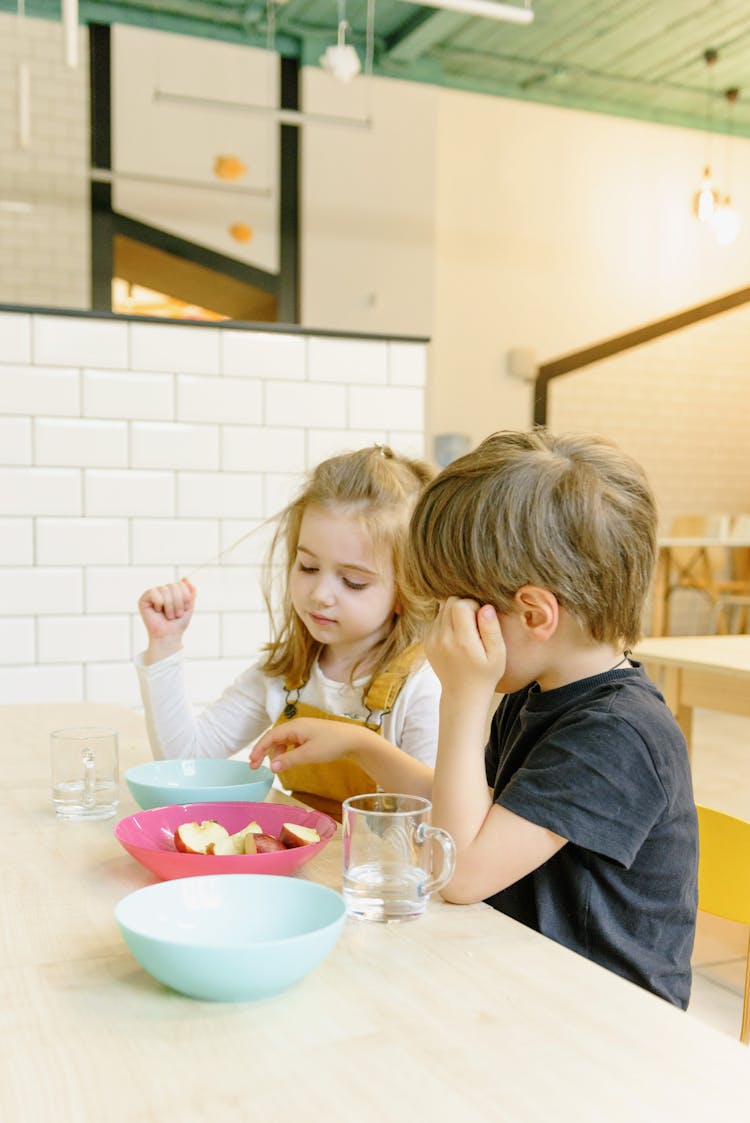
603, 763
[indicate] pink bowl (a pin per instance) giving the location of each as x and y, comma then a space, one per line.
149, 837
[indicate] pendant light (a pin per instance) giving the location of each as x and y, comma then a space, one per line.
706, 198
726, 220
341, 60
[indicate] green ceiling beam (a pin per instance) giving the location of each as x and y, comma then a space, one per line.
427, 29
181, 17
427, 71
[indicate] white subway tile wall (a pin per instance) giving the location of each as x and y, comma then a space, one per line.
134, 453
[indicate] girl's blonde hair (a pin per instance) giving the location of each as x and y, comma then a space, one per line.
379, 488
572, 514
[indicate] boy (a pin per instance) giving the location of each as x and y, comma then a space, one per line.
578, 819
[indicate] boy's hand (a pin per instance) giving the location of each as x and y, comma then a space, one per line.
166, 611
465, 646
312, 740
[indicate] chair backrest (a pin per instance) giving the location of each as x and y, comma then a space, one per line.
699, 568
724, 865
700, 526
740, 528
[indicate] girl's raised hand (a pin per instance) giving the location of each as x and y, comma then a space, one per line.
166, 610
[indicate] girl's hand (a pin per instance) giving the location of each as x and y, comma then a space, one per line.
312, 740
465, 646
166, 610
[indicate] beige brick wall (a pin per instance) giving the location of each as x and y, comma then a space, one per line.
681, 405
45, 252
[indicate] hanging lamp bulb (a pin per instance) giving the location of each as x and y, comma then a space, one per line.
706, 198
341, 60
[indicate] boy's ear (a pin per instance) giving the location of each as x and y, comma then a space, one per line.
539, 609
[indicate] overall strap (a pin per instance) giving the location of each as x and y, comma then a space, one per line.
384, 689
387, 686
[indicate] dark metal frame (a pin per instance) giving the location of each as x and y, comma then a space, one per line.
609, 347
106, 223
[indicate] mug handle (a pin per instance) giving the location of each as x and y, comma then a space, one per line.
424, 833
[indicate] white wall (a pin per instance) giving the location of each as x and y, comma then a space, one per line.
368, 206
691, 391
680, 405
132, 453
557, 229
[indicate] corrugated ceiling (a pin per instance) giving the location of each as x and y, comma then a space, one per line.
643, 59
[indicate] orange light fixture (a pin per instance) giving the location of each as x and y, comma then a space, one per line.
241, 232
229, 167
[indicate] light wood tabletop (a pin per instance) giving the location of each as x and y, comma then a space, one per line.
462, 1014
711, 672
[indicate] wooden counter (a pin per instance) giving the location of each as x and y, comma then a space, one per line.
461, 1015
710, 672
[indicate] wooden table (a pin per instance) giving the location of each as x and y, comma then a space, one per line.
665, 565
462, 1014
711, 672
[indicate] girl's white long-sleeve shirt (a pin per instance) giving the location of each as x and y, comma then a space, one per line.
254, 700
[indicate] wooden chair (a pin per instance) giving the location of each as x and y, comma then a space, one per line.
696, 567
732, 605
717, 573
724, 880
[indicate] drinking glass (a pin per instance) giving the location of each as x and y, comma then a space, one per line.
389, 851
84, 772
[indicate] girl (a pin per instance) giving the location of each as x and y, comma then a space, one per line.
345, 646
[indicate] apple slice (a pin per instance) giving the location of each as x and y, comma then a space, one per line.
225, 846
238, 839
267, 843
294, 834
236, 843
195, 838
248, 843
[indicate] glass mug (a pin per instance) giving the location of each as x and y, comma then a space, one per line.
84, 772
388, 856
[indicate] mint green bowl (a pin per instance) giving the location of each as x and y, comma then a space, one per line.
161, 783
231, 939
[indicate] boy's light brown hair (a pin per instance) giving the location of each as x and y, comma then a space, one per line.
379, 488
572, 514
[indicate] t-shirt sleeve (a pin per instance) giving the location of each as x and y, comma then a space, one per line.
413, 722
593, 783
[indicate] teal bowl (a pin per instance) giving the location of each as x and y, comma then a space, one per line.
231, 939
162, 783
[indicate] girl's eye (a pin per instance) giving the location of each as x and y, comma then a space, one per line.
307, 568
353, 584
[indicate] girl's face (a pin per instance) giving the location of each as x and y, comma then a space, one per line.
342, 589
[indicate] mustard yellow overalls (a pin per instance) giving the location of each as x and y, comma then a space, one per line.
325, 786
